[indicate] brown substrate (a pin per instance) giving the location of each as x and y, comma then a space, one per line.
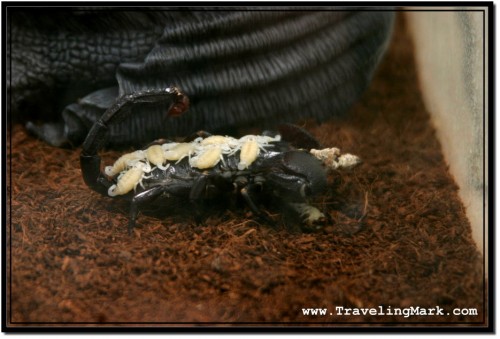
71, 259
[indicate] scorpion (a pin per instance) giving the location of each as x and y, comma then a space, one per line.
289, 166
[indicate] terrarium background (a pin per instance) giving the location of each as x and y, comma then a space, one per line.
70, 258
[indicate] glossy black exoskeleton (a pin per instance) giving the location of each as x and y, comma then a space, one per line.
281, 169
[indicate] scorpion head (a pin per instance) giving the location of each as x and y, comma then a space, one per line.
296, 175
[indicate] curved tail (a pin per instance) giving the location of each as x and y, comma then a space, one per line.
90, 161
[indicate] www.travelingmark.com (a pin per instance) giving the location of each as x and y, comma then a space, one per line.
389, 311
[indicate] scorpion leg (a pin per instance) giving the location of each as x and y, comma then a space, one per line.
246, 190
249, 200
90, 161
175, 189
196, 194
246, 193
146, 196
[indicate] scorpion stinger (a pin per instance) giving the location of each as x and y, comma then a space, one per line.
90, 161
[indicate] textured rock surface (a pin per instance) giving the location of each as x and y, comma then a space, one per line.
239, 67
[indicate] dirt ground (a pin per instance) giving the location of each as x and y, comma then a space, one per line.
71, 261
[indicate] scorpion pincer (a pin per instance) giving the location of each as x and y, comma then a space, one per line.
289, 166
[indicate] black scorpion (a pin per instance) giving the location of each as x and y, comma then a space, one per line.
252, 166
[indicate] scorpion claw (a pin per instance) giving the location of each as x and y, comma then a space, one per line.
311, 218
298, 136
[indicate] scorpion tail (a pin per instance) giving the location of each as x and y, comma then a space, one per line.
90, 161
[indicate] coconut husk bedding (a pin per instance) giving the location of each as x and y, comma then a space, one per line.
396, 236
